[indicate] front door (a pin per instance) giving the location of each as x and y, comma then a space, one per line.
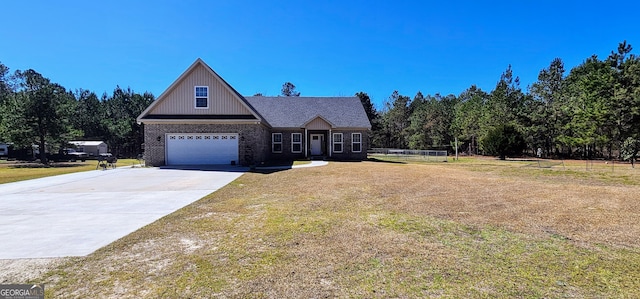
316, 144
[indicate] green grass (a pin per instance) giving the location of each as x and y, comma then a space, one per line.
284, 163
301, 162
14, 172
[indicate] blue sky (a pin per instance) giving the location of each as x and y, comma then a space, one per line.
326, 48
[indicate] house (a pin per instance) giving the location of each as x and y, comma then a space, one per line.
200, 119
92, 148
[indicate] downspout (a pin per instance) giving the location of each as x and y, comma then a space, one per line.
330, 144
306, 143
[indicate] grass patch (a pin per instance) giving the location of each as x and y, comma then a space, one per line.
20, 171
589, 172
284, 163
475, 229
301, 162
498, 263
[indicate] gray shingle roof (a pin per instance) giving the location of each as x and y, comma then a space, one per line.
295, 112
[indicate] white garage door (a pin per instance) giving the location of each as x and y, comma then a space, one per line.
201, 149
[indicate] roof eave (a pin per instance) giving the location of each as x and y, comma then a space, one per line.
203, 121
352, 128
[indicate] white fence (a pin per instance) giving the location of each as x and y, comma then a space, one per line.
406, 154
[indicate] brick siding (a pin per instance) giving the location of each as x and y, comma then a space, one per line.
254, 140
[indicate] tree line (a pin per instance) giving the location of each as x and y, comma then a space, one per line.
36, 111
591, 111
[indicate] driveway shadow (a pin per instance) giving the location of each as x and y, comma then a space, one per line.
223, 168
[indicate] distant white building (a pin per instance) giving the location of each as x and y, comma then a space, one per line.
92, 148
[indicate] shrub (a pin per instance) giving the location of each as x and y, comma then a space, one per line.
630, 149
503, 141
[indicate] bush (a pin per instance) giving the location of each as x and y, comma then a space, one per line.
630, 149
503, 141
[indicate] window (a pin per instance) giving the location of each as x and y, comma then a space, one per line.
276, 142
337, 142
356, 142
296, 142
202, 97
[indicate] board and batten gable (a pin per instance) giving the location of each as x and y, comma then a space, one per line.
318, 123
179, 98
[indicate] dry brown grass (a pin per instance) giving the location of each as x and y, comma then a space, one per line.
475, 229
583, 209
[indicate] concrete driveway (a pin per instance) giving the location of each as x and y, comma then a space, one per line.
75, 214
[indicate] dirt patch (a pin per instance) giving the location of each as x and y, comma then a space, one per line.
22, 271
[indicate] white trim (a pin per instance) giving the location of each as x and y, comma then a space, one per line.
334, 143
353, 142
299, 143
273, 142
196, 97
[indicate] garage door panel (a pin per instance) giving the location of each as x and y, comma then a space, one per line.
201, 149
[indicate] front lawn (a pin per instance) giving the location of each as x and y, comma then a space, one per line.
14, 171
379, 230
